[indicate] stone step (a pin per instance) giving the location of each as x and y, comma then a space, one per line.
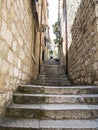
59, 84
62, 74
50, 74
61, 77
52, 67
29, 124
45, 98
48, 71
52, 84
53, 78
44, 74
57, 81
53, 70
53, 81
53, 111
72, 90
48, 65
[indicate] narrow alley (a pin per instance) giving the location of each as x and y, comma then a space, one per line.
53, 104
48, 65
52, 73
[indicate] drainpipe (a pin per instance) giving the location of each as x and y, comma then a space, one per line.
59, 31
40, 36
66, 37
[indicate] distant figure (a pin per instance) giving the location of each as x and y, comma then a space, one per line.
51, 54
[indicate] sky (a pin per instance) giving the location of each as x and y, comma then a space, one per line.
53, 14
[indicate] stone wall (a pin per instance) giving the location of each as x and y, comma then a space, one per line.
72, 6
18, 47
83, 52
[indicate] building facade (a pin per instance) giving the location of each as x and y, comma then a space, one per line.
44, 30
68, 10
19, 45
79, 19
83, 52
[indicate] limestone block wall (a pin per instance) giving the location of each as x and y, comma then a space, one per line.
18, 59
83, 52
72, 7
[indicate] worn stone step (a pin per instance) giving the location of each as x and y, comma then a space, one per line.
52, 84
55, 69
53, 111
32, 89
54, 73
53, 78
52, 66
56, 81
45, 98
52, 81
41, 75
72, 90
48, 71
61, 76
29, 124
58, 84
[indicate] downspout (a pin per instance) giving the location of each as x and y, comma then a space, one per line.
59, 36
40, 37
66, 37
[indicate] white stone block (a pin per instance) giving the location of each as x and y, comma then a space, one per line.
13, 28
9, 37
10, 57
4, 13
16, 72
8, 4
5, 66
19, 63
14, 46
95, 66
11, 70
3, 29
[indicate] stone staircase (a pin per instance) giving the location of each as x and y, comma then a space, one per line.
52, 75
43, 107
